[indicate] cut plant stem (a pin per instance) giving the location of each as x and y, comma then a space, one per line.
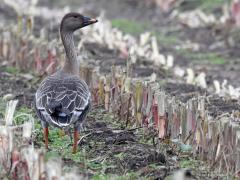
46, 132
128, 109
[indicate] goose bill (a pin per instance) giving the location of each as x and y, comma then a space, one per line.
87, 21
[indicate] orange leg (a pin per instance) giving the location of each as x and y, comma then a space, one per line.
75, 140
46, 132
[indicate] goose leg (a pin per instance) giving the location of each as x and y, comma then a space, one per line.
46, 132
77, 126
75, 139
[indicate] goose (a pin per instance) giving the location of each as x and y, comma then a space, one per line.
63, 99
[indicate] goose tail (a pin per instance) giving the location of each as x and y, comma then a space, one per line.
57, 112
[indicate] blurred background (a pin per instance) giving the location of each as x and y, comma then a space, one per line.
201, 37
187, 48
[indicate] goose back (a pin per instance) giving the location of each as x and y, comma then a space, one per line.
62, 100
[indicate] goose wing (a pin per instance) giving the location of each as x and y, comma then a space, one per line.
62, 102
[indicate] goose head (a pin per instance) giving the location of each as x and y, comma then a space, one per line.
73, 21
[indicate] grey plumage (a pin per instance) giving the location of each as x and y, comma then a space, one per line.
63, 99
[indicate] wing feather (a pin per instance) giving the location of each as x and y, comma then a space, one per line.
71, 92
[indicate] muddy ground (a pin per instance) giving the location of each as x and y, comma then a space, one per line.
107, 148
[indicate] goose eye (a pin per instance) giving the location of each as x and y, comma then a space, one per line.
75, 16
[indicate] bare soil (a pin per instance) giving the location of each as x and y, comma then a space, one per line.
109, 147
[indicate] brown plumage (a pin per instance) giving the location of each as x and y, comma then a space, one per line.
63, 99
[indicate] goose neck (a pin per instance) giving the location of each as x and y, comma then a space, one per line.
71, 64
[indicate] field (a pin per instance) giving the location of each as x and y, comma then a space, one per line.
165, 90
